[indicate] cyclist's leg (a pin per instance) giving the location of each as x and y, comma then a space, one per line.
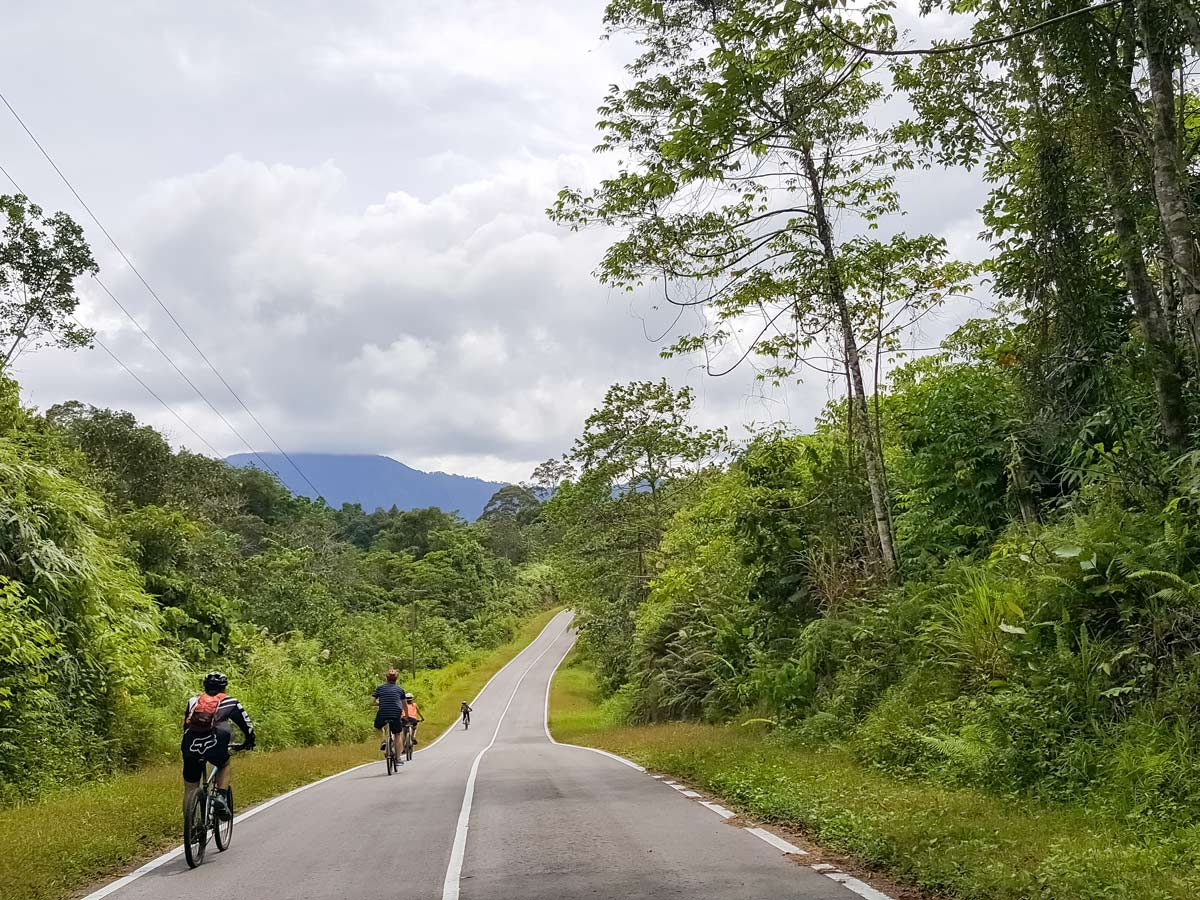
193, 767
396, 728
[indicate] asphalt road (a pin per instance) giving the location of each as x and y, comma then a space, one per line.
543, 820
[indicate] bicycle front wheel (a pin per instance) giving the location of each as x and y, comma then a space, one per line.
195, 828
223, 831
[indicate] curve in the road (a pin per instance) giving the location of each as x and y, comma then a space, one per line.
502, 813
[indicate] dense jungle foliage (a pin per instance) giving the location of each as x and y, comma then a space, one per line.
983, 566
128, 569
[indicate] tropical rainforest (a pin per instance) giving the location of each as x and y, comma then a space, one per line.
980, 565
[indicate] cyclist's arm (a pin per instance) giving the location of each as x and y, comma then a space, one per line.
187, 711
241, 719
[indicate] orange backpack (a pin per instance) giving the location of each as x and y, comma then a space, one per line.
203, 716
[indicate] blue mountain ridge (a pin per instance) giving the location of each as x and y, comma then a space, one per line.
375, 482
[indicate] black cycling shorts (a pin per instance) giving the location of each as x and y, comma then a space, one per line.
395, 724
199, 747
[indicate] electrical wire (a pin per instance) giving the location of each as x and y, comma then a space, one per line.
972, 45
149, 390
155, 295
165, 356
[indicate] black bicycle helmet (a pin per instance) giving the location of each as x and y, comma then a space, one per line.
215, 682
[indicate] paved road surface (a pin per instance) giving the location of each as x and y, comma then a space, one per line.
544, 821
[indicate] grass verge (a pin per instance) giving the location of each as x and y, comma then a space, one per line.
952, 842
55, 847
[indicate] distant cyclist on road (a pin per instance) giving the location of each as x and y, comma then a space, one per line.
389, 700
412, 714
465, 709
206, 736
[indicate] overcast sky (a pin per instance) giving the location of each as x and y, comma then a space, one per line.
344, 205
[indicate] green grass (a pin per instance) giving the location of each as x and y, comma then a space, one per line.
954, 842
57, 846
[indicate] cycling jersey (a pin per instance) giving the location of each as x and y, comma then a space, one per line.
212, 745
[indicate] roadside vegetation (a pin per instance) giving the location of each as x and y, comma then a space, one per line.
952, 841
974, 583
129, 568
78, 835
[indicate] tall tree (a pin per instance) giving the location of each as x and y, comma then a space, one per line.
747, 141
1057, 119
40, 258
638, 456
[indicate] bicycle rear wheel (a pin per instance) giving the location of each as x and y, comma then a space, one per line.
389, 755
195, 828
408, 744
223, 830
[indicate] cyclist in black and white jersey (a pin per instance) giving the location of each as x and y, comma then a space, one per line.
206, 736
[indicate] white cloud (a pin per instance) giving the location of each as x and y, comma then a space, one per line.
345, 208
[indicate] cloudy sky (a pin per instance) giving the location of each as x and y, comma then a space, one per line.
344, 205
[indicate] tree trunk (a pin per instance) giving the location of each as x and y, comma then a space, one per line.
1019, 470
1191, 22
1160, 348
872, 456
1155, 325
1169, 181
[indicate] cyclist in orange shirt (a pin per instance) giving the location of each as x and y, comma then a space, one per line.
413, 713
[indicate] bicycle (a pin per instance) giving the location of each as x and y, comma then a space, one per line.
389, 750
408, 741
200, 816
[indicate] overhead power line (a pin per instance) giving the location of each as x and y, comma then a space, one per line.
149, 390
971, 45
132, 318
165, 356
155, 295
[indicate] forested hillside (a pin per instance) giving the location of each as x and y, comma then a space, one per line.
128, 569
373, 482
981, 566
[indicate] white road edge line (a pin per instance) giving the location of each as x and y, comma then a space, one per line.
776, 841
859, 887
691, 795
171, 854
546, 724
114, 886
450, 887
